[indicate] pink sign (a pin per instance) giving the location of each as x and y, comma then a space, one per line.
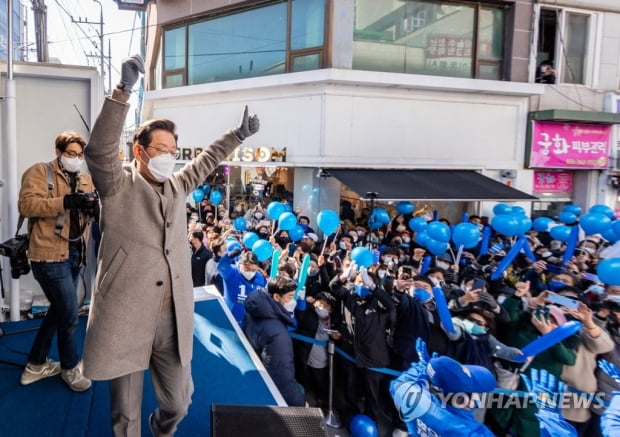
570, 145
553, 182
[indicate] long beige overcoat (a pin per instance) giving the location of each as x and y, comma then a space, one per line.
143, 251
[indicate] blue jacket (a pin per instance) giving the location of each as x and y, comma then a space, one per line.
236, 287
265, 326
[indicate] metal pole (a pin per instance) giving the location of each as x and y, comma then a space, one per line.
101, 50
10, 144
330, 417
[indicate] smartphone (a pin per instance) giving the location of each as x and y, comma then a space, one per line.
563, 301
541, 312
479, 284
590, 277
330, 331
407, 270
291, 249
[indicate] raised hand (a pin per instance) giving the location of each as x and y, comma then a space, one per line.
130, 72
248, 125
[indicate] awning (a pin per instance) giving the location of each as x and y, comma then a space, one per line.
396, 185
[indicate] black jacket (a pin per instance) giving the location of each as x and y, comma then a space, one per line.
265, 326
200, 257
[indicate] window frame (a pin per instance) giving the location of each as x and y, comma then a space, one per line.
322, 51
592, 50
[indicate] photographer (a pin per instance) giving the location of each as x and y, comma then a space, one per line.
58, 200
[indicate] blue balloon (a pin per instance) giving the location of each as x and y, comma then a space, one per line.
594, 223
422, 238
541, 224
404, 208
363, 426
240, 224
436, 247
288, 207
262, 249
215, 197
608, 271
501, 209
287, 221
506, 224
517, 210
198, 195
362, 256
575, 209
466, 234
275, 210
381, 216
560, 233
610, 234
615, 225
525, 223
296, 233
417, 224
206, 189
249, 238
567, 217
328, 221
602, 209
438, 231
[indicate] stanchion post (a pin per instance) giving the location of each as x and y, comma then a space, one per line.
330, 417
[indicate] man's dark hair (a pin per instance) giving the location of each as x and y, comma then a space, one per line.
306, 218
198, 234
423, 278
281, 285
217, 244
68, 137
144, 134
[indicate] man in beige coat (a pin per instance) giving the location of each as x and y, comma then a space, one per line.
142, 309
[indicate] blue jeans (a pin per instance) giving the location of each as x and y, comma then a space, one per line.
59, 283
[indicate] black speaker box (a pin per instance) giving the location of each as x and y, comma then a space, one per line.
266, 421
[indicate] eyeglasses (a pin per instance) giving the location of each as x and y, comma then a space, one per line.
477, 322
72, 154
174, 154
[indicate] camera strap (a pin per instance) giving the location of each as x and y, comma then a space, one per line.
20, 222
61, 219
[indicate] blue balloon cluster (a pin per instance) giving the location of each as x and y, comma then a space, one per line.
287, 221
510, 220
466, 235
275, 210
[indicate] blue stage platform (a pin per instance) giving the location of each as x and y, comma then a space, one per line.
224, 368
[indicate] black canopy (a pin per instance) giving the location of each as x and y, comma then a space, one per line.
456, 185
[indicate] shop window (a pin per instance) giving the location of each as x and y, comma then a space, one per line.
565, 40
276, 38
434, 38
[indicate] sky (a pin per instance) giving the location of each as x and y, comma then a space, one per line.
72, 43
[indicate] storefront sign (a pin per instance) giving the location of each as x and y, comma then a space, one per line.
553, 182
242, 154
570, 145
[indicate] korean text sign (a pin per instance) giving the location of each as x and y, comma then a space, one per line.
553, 182
570, 145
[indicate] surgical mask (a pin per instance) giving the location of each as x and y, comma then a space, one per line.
72, 165
249, 275
381, 273
161, 166
342, 245
421, 294
473, 328
360, 233
545, 255
406, 240
362, 291
313, 272
194, 218
321, 312
555, 285
290, 305
258, 215
400, 228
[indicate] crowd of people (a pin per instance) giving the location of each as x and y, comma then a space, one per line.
376, 314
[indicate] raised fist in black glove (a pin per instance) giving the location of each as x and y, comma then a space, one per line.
488, 299
78, 201
249, 125
130, 72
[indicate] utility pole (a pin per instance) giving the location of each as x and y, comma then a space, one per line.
40, 28
101, 54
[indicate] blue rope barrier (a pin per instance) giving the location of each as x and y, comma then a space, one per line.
397, 373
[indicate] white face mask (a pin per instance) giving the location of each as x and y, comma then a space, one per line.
321, 312
342, 245
161, 166
443, 265
258, 215
290, 305
249, 275
72, 165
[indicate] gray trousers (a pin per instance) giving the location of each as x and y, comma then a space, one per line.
172, 384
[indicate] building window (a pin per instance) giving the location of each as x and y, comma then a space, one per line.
565, 40
424, 37
276, 38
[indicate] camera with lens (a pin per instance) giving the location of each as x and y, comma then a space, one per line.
16, 250
93, 209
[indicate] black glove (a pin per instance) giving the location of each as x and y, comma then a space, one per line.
249, 125
488, 299
77, 201
130, 72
